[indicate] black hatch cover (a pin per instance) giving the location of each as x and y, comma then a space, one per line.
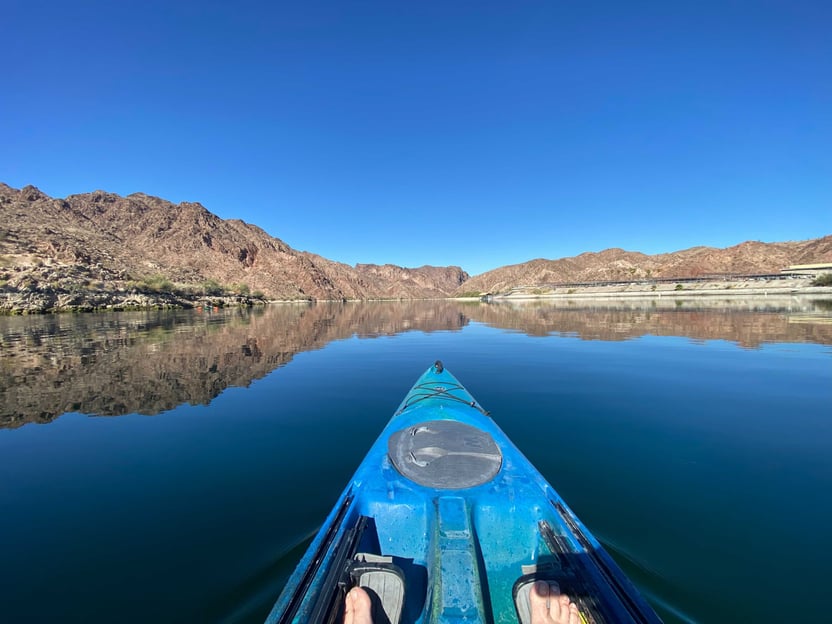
445, 454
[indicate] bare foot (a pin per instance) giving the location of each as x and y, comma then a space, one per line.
357, 607
549, 607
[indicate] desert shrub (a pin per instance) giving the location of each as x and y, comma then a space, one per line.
679, 287
186, 290
212, 287
155, 283
824, 279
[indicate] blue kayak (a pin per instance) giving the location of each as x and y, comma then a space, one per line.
445, 521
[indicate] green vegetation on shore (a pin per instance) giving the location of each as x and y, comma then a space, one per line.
208, 288
49, 290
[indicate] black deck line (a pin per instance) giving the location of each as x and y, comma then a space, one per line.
611, 575
320, 553
326, 609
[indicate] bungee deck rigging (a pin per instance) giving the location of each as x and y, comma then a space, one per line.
424, 392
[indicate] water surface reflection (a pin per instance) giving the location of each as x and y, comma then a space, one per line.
151, 362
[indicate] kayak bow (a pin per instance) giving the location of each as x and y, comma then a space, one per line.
446, 521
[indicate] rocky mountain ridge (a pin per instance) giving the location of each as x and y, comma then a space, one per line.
100, 240
748, 258
102, 250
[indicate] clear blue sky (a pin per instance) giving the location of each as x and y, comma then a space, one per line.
474, 133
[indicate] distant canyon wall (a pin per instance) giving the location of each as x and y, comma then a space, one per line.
101, 241
89, 246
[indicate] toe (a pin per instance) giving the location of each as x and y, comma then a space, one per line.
575, 615
539, 601
358, 607
558, 604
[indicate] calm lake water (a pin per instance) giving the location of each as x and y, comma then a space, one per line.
172, 467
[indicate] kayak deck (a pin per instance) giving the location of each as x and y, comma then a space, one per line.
464, 521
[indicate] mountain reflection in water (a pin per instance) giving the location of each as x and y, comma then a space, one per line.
151, 362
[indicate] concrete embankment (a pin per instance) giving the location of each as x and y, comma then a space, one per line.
709, 289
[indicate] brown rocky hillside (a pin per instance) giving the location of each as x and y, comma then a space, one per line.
103, 250
102, 240
751, 257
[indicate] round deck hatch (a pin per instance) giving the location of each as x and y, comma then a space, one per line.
445, 454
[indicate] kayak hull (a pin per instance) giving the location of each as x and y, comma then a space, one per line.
463, 517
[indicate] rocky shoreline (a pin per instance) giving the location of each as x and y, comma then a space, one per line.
56, 300
37, 286
47, 301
